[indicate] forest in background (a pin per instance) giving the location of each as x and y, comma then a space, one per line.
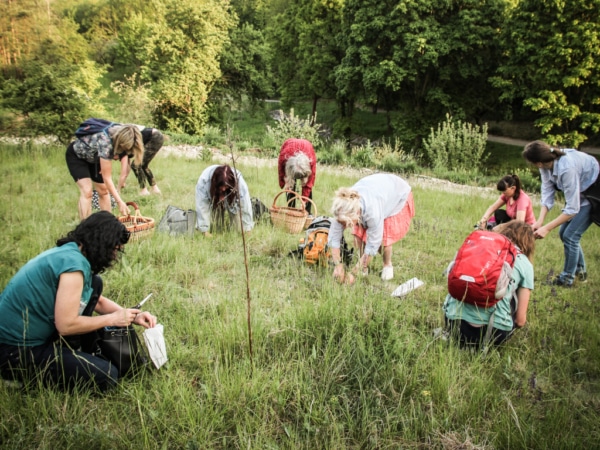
181, 65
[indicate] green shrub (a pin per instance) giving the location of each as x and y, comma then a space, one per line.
391, 163
136, 105
335, 154
530, 180
291, 126
213, 135
185, 139
363, 156
456, 145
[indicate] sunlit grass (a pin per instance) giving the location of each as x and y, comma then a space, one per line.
333, 366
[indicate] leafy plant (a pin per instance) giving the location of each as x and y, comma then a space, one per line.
363, 155
456, 145
335, 153
136, 104
291, 126
213, 135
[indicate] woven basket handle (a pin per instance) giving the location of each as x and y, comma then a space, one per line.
137, 214
306, 199
287, 191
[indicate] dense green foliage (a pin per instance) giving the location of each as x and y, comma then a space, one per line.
333, 366
551, 64
196, 61
423, 58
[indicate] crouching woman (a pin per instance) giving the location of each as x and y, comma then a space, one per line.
46, 303
220, 189
470, 322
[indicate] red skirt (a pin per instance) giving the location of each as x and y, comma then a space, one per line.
394, 227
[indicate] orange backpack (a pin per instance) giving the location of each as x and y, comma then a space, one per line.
316, 250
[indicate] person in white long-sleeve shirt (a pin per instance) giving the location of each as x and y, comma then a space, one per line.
379, 208
220, 189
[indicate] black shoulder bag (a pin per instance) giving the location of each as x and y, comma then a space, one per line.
119, 345
593, 195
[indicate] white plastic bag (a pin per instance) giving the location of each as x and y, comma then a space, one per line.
155, 342
407, 287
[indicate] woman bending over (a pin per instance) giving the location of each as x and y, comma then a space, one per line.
219, 190
571, 172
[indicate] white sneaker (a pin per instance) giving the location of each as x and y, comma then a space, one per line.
387, 273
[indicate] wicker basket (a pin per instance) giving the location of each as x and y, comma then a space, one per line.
137, 225
313, 214
290, 219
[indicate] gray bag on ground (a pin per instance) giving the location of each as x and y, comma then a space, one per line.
177, 221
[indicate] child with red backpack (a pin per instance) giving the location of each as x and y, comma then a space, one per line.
476, 320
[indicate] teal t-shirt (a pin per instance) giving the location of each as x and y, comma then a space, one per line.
27, 302
522, 276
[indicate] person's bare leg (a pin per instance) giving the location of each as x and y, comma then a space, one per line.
85, 197
359, 245
103, 197
388, 270
387, 256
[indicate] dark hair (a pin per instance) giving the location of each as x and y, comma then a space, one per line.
223, 176
540, 152
510, 181
520, 234
101, 237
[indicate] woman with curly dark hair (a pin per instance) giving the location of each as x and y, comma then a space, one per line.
52, 297
220, 189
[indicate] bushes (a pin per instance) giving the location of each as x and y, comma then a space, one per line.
456, 146
291, 126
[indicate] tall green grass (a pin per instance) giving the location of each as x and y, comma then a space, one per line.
334, 366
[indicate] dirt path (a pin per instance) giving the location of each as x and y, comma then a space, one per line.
523, 142
193, 152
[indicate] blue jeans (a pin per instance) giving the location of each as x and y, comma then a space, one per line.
570, 234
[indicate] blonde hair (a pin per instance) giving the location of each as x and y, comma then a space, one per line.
296, 167
346, 205
128, 138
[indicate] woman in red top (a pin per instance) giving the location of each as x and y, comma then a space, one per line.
518, 204
297, 161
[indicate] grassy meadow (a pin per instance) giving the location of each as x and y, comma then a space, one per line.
332, 366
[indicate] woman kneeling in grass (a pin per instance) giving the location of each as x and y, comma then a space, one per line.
50, 301
471, 322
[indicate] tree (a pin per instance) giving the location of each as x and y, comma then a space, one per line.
245, 70
550, 65
306, 50
423, 58
50, 82
178, 51
23, 25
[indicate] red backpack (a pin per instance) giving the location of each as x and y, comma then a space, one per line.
482, 269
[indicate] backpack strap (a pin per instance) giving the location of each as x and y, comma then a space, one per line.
514, 305
488, 333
